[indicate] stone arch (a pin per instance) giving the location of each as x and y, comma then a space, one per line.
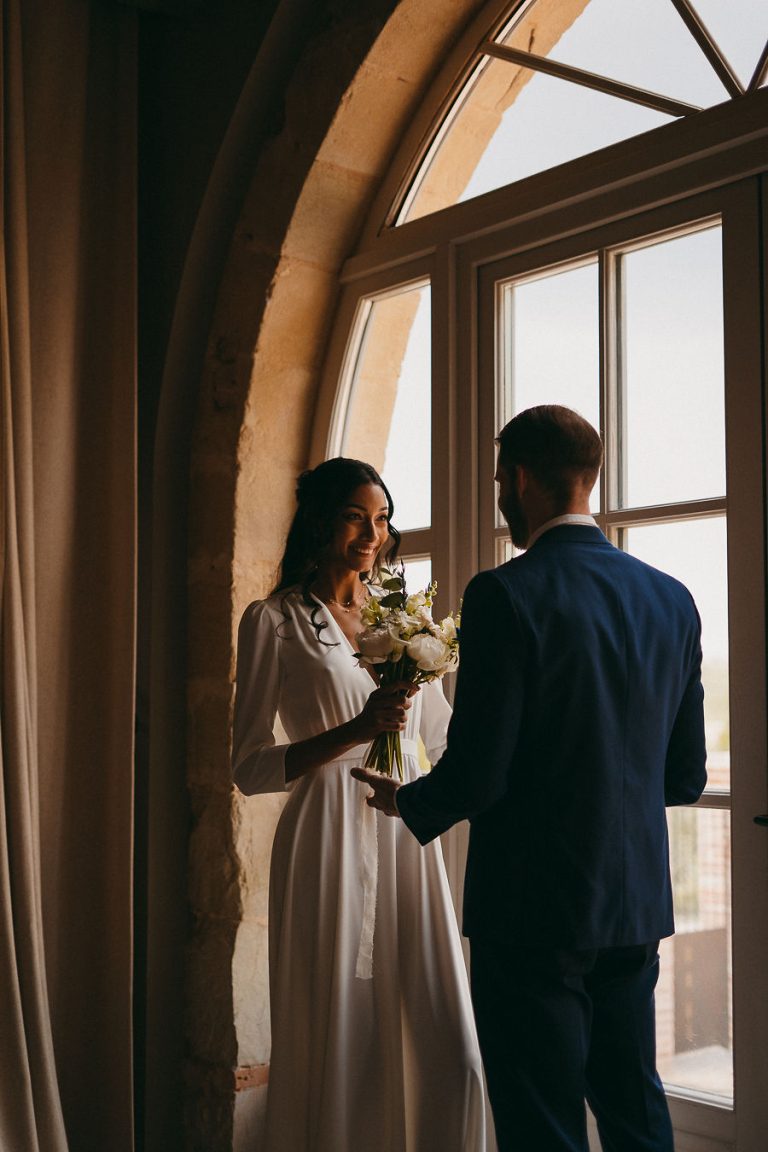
350, 97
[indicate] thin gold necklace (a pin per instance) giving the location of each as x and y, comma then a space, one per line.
351, 605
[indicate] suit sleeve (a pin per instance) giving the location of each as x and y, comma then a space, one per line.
258, 763
685, 773
472, 773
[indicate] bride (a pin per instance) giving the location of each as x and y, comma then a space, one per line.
373, 1041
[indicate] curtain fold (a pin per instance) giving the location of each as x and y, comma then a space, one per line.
30, 1110
67, 535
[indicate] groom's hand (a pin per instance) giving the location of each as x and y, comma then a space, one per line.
384, 789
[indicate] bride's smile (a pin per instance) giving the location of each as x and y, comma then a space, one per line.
362, 530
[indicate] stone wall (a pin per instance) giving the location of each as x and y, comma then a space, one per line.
252, 437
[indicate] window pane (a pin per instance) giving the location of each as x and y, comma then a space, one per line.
549, 344
505, 550
640, 42
693, 996
671, 348
509, 122
694, 551
418, 573
388, 419
550, 349
740, 28
513, 123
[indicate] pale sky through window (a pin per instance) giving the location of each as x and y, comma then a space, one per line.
408, 459
640, 42
740, 28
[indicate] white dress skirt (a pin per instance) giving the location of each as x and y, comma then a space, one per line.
374, 1046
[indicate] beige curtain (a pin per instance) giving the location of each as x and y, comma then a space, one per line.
67, 534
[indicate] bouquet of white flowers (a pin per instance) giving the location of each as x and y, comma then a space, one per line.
401, 641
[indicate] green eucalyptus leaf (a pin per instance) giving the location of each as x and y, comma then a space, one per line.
394, 600
394, 582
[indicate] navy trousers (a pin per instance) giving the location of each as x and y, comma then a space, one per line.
559, 1027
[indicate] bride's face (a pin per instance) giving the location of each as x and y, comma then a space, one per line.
362, 528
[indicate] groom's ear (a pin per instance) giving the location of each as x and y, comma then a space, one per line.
520, 476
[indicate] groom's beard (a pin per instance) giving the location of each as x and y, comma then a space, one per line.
513, 513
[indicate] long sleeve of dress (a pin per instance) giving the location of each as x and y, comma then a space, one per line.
435, 716
258, 763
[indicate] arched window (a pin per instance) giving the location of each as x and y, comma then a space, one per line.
555, 81
577, 216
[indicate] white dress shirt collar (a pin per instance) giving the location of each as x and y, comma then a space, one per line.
568, 518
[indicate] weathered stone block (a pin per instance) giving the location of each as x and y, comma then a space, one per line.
298, 313
212, 501
210, 1016
209, 635
336, 195
215, 869
208, 765
210, 1107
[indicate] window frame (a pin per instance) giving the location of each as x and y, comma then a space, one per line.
482, 42
601, 245
693, 168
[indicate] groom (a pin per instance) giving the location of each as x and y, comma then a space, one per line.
578, 718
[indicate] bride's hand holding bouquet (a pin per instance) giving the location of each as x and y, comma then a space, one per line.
403, 644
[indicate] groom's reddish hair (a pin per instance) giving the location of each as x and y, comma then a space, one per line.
558, 445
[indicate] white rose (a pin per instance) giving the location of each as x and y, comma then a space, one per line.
429, 652
398, 640
376, 645
399, 623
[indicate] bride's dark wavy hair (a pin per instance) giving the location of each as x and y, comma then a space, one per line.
321, 494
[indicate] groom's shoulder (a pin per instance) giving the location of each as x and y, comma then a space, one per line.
489, 583
495, 583
483, 580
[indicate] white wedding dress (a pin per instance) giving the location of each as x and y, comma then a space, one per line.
373, 1041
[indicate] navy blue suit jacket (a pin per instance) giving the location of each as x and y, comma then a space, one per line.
578, 717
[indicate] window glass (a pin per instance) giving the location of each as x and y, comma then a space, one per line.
694, 1032
671, 365
694, 551
505, 550
418, 573
693, 997
388, 414
549, 344
514, 123
740, 28
640, 42
510, 121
